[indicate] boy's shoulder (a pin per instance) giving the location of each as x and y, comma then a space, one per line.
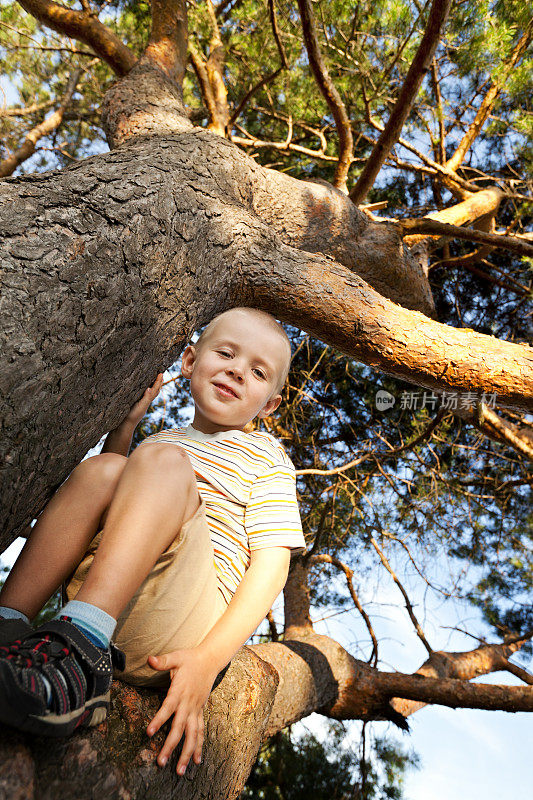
271, 446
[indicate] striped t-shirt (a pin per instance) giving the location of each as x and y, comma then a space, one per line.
249, 487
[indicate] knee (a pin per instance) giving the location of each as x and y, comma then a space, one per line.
164, 456
105, 467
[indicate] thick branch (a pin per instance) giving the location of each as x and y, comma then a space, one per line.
455, 693
318, 674
209, 73
215, 68
47, 126
203, 82
296, 600
84, 28
167, 46
462, 667
386, 336
329, 92
419, 66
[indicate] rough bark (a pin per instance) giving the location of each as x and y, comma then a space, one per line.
116, 760
167, 46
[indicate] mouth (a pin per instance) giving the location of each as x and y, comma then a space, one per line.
226, 390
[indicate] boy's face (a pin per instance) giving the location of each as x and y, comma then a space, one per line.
234, 373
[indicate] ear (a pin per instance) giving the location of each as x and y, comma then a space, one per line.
270, 406
188, 358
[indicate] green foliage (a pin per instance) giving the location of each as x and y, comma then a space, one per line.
289, 768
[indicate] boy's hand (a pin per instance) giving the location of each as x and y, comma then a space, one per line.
192, 678
137, 411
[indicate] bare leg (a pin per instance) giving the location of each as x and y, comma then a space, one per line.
62, 533
155, 495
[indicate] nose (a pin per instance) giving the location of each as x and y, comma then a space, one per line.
235, 372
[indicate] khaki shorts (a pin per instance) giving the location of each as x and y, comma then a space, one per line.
175, 606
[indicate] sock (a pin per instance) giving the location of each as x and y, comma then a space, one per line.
97, 625
12, 613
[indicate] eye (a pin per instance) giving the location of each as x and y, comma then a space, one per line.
260, 373
224, 353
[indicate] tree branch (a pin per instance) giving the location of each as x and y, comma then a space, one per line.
329, 92
514, 669
84, 28
486, 418
297, 604
47, 126
488, 101
409, 607
167, 46
268, 78
431, 226
463, 666
348, 573
215, 66
422, 436
456, 693
288, 146
203, 81
23, 112
210, 77
419, 66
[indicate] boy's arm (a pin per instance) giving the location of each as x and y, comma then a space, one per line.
193, 671
262, 582
119, 439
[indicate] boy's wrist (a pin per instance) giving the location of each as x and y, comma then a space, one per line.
211, 658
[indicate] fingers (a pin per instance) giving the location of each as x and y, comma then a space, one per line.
174, 736
160, 662
191, 738
199, 739
157, 383
194, 737
168, 707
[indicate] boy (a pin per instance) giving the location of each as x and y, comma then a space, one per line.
194, 546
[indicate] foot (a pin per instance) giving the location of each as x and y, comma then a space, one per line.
79, 674
12, 629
